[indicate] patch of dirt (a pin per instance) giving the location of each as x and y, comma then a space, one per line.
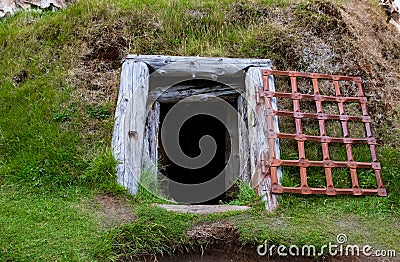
108, 44
113, 210
95, 85
95, 77
96, 81
21, 77
218, 233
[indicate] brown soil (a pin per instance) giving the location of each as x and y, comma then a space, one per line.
114, 211
97, 81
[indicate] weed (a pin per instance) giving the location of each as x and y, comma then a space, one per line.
246, 196
98, 112
61, 116
101, 172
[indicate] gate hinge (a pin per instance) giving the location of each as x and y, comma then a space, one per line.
258, 92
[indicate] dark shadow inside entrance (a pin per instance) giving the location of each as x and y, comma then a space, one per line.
189, 137
190, 134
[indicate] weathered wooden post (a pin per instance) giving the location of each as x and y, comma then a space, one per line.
258, 137
244, 152
150, 152
130, 121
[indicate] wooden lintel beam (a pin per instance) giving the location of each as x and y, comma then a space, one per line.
156, 62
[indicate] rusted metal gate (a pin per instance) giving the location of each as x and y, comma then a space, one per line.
268, 96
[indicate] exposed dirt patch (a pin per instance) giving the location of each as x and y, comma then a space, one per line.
95, 91
114, 211
96, 81
108, 44
216, 234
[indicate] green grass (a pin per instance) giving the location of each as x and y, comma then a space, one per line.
155, 232
318, 220
46, 225
55, 128
246, 195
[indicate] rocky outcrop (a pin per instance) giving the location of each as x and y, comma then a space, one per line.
9, 7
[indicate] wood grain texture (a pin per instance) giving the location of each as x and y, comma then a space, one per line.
150, 144
130, 120
158, 61
258, 139
178, 92
244, 148
202, 209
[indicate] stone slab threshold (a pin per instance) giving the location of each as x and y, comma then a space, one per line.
202, 209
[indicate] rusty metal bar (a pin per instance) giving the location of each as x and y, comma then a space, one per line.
325, 191
365, 119
273, 171
355, 79
323, 98
326, 163
330, 188
326, 139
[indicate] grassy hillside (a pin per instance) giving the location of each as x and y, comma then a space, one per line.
59, 75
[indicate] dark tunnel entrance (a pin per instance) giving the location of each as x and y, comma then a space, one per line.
191, 132
189, 137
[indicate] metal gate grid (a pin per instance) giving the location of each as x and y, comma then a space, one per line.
326, 163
